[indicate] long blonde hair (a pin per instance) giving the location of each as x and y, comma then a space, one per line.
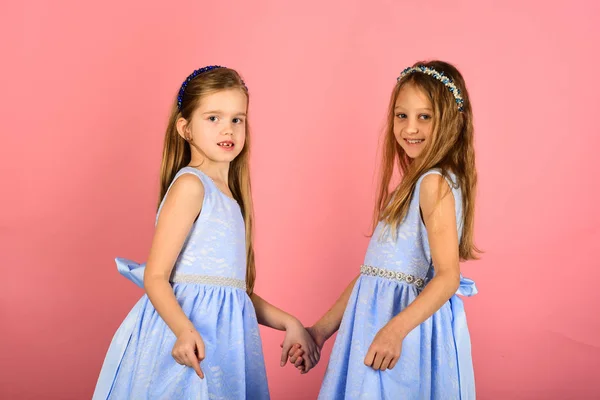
177, 152
451, 149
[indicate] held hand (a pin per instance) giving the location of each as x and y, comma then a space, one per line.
295, 355
385, 350
295, 349
189, 350
295, 333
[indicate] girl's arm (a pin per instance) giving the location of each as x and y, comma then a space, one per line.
271, 316
331, 320
181, 207
437, 206
327, 325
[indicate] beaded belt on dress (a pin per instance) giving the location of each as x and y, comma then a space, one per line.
394, 275
209, 280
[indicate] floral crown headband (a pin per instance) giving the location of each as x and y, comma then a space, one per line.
440, 77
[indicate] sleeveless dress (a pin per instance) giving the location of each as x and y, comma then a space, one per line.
435, 362
208, 280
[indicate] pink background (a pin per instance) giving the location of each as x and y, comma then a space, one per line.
85, 94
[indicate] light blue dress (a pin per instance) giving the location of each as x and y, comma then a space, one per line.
435, 362
209, 283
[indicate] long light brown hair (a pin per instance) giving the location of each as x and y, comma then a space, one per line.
177, 152
451, 149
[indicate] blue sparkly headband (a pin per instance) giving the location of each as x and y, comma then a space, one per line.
440, 77
191, 77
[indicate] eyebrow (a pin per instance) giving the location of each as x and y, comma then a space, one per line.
221, 112
421, 109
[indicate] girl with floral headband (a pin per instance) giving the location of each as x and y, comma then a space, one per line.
402, 330
194, 335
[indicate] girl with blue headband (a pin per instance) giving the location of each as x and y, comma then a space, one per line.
194, 335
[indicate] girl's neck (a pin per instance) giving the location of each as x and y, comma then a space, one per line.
216, 171
414, 164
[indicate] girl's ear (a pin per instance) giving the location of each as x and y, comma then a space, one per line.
183, 129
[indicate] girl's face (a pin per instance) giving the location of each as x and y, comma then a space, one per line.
413, 120
217, 128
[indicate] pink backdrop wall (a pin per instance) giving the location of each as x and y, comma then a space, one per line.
85, 94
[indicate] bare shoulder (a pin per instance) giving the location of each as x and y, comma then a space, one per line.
435, 192
188, 185
180, 209
187, 192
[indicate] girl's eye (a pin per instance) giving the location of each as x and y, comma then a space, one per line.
212, 118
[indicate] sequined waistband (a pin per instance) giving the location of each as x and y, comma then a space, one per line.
393, 275
209, 280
